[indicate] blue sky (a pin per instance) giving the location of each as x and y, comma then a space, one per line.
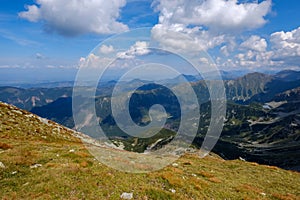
47, 42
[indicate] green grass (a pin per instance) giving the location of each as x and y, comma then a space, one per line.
75, 174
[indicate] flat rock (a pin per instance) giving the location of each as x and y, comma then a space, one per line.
126, 195
35, 166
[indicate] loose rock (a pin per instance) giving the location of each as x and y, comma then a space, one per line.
126, 195
175, 165
35, 166
173, 191
2, 165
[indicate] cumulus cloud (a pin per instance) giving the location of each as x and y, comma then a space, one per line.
206, 24
255, 43
106, 49
32, 14
204, 60
140, 48
222, 15
282, 51
93, 61
286, 44
120, 60
255, 59
73, 17
177, 37
229, 47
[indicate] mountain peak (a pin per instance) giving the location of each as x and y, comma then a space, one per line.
255, 74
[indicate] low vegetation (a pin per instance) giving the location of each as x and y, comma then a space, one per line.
41, 160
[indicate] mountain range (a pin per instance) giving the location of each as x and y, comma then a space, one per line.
262, 118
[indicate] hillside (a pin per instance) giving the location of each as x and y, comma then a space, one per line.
266, 136
289, 95
42, 160
246, 87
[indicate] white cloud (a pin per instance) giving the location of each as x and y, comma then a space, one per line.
177, 37
94, 61
206, 24
255, 59
229, 47
73, 17
286, 45
281, 51
32, 14
116, 60
138, 49
222, 15
255, 43
7, 67
204, 60
106, 49
39, 56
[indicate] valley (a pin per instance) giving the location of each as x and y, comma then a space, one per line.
262, 118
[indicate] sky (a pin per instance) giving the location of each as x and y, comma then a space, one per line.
46, 40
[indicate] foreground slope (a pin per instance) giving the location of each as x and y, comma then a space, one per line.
42, 160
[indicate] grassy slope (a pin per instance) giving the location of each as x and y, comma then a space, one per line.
75, 174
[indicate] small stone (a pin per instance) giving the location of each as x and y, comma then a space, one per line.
264, 194
29, 116
175, 165
126, 195
173, 191
2, 165
14, 172
35, 166
17, 111
72, 151
242, 159
27, 183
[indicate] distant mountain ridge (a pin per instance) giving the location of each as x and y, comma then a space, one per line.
244, 88
33, 97
289, 95
262, 116
248, 88
288, 75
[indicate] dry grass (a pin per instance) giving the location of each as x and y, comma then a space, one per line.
285, 197
5, 146
215, 180
66, 174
